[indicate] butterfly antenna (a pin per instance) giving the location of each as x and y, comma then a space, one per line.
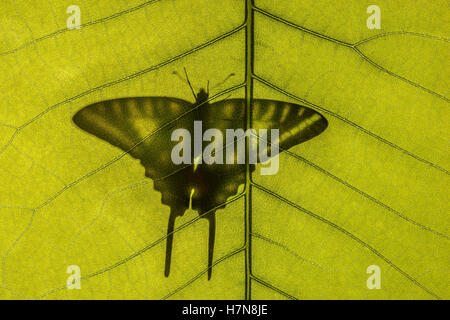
189, 83
212, 235
224, 80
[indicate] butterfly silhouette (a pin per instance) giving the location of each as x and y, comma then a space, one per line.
142, 127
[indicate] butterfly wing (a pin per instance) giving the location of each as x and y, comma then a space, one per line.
296, 123
143, 126
135, 125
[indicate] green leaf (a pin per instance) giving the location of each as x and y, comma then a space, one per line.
370, 190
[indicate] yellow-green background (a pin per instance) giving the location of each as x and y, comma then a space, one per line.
372, 189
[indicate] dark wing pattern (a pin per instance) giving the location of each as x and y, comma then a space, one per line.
135, 125
296, 123
143, 127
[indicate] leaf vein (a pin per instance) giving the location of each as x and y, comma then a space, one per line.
353, 46
146, 248
350, 235
268, 285
287, 249
129, 77
196, 277
60, 31
337, 116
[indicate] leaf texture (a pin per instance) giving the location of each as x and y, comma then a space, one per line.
370, 190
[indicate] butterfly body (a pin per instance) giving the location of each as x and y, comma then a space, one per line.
142, 127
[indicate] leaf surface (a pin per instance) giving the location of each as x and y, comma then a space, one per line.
371, 190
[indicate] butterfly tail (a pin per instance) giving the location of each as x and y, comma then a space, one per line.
212, 235
169, 241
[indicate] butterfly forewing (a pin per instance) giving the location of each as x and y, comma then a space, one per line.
139, 126
296, 123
